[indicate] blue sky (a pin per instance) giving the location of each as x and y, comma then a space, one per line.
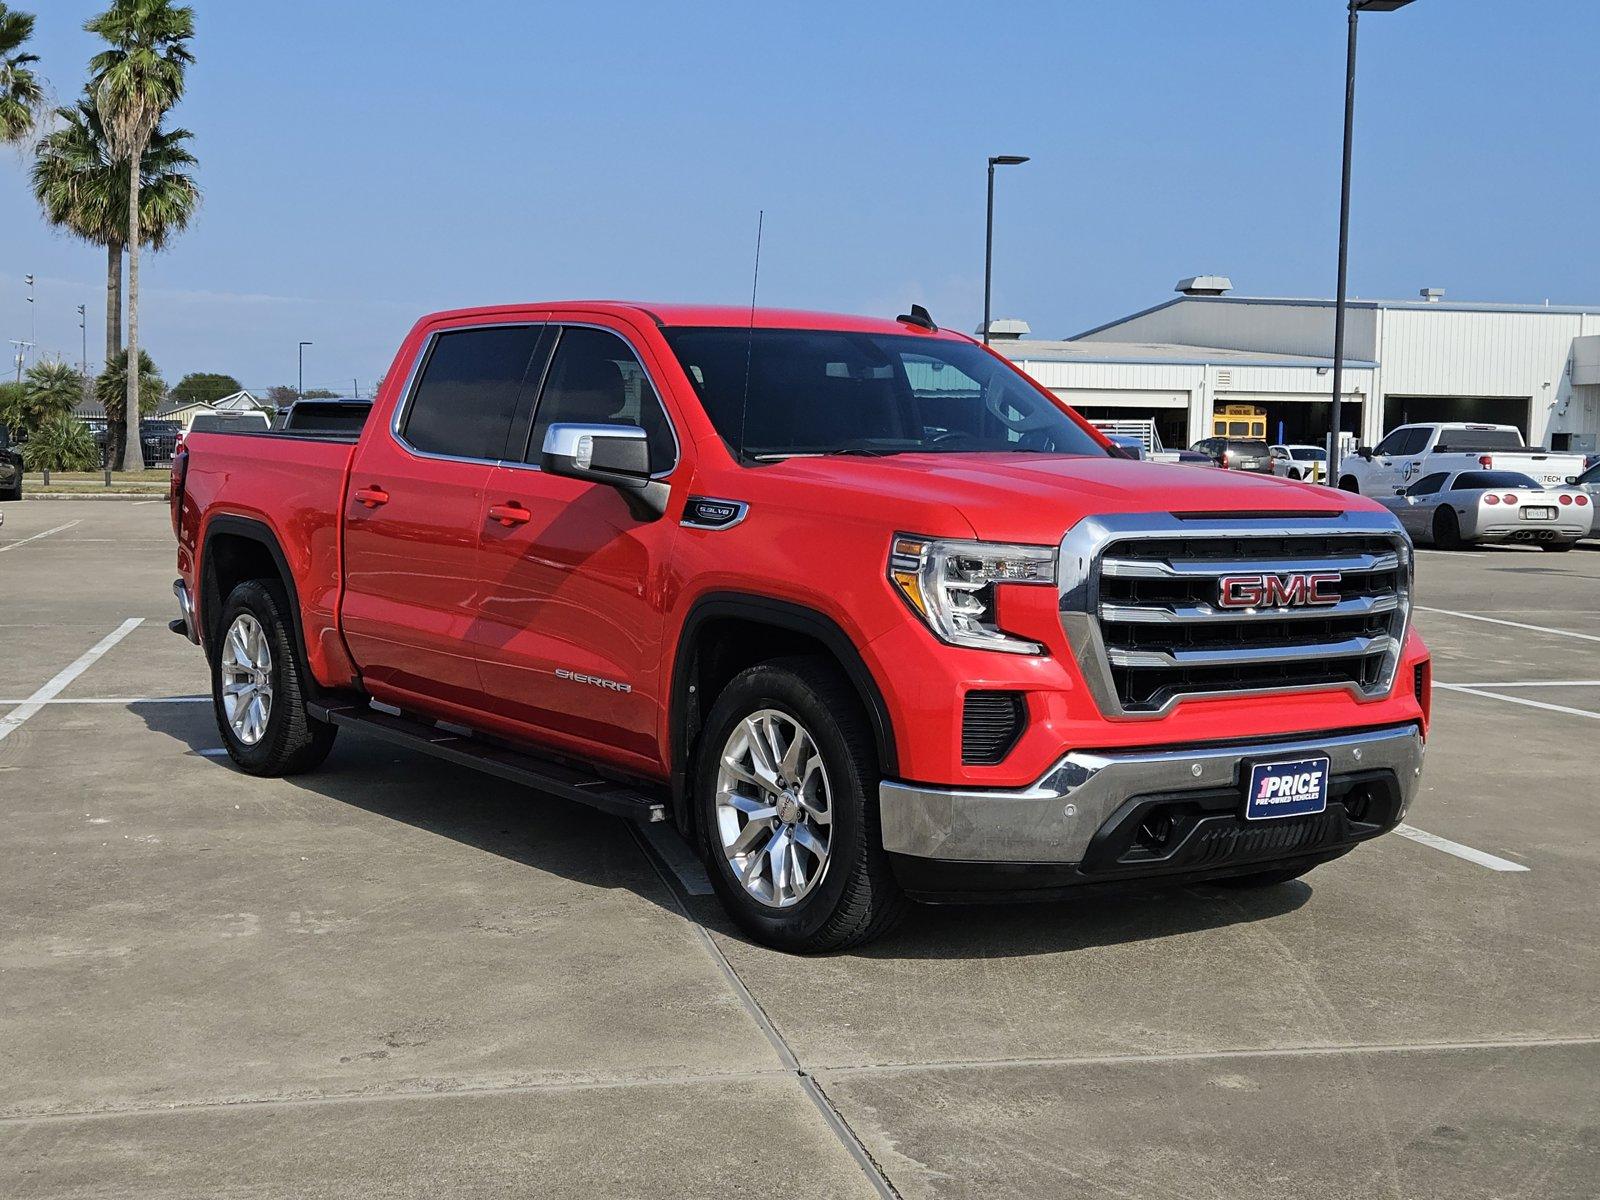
365, 161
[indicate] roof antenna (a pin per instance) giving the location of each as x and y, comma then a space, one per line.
919, 317
750, 341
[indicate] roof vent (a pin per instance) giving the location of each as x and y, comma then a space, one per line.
1205, 285
1432, 295
1005, 329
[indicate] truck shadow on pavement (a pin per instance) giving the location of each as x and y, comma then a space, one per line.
587, 847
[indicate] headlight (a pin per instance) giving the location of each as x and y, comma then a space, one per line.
952, 585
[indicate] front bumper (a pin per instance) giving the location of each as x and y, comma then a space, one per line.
1089, 812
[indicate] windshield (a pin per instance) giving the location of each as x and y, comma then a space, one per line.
830, 392
1469, 480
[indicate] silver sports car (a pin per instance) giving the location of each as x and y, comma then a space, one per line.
1462, 508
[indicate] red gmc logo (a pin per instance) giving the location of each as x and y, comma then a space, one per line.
1295, 590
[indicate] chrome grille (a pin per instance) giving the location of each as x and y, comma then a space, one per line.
1140, 592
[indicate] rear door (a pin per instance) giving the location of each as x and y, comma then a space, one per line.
412, 515
569, 626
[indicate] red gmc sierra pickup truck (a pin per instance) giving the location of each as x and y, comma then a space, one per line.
866, 612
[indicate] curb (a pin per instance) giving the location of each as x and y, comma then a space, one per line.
94, 495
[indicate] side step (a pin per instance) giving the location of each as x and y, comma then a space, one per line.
545, 775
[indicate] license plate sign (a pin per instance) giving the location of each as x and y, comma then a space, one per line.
1287, 789
1538, 514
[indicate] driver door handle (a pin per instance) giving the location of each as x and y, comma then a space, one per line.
372, 496
509, 514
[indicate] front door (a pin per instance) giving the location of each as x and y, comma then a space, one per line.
569, 625
413, 515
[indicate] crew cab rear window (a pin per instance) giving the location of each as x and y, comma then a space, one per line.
1480, 439
464, 402
596, 379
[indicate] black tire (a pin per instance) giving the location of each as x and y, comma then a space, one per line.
292, 741
856, 898
1349, 484
1447, 530
13, 494
1557, 547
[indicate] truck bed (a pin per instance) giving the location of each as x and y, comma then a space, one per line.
294, 484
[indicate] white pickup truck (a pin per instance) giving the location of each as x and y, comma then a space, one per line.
1412, 451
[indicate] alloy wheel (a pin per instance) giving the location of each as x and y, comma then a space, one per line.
774, 808
246, 679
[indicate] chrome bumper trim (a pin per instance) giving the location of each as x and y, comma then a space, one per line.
1054, 820
191, 629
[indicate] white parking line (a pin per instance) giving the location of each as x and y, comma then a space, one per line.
1560, 708
1528, 683
14, 719
1456, 848
119, 700
1588, 637
37, 536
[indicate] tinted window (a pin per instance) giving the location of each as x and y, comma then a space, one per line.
1469, 480
1247, 449
1428, 484
778, 392
1480, 439
1393, 443
1309, 454
595, 379
464, 401
1592, 475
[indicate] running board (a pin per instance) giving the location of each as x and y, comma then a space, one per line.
545, 775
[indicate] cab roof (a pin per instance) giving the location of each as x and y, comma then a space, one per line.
716, 315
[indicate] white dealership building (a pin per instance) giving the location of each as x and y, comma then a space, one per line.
1209, 355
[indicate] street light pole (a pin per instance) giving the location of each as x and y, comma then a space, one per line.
1357, 7
998, 160
83, 331
300, 392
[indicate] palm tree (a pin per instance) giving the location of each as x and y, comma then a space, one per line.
85, 191
51, 388
112, 388
20, 90
134, 83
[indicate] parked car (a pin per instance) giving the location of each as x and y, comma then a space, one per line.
1140, 430
763, 575
10, 467
218, 422
325, 416
1410, 452
1236, 454
1292, 461
1451, 509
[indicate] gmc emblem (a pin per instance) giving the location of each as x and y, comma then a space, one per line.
1297, 589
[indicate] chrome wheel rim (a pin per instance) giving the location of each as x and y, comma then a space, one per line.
246, 679
774, 808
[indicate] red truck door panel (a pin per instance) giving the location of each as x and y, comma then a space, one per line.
414, 510
569, 623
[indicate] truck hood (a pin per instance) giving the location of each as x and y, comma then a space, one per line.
1036, 497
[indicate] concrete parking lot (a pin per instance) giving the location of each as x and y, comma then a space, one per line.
395, 978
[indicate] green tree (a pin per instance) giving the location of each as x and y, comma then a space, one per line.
319, 394
111, 390
281, 395
11, 406
84, 190
135, 82
21, 93
50, 389
203, 388
60, 444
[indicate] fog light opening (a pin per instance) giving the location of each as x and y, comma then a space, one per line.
1155, 832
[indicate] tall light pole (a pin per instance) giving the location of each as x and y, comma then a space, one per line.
997, 160
300, 392
33, 323
1357, 7
83, 331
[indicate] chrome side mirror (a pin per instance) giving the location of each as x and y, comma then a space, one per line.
615, 455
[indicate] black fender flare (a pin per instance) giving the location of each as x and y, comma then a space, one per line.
782, 614
253, 530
